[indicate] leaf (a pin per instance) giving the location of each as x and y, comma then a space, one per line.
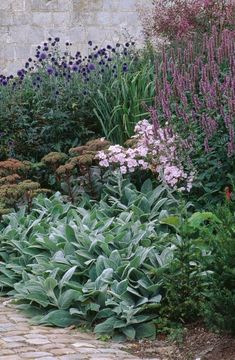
198, 219
67, 276
106, 327
67, 298
129, 331
147, 187
50, 284
172, 220
60, 318
147, 330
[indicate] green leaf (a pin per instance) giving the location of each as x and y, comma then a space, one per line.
60, 318
147, 187
147, 330
67, 276
129, 331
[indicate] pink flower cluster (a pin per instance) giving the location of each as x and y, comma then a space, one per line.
155, 149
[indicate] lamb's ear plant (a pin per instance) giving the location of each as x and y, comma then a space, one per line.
96, 266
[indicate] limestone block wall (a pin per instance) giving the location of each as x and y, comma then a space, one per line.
26, 23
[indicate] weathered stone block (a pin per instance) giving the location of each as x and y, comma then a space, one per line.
21, 18
42, 19
87, 5
6, 18
61, 19
45, 5
5, 4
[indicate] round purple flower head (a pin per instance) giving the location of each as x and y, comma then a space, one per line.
50, 70
90, 43
20, 73
91, 67
43, 56
75, 68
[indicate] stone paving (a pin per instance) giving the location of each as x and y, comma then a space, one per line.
20, 340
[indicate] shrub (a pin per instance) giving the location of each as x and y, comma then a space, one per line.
15, 189
179, 20
153, 148
219, 306
76, 173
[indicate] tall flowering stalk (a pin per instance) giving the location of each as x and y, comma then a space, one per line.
195, 90
153, 148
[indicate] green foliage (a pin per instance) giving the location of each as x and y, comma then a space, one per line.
219, 307
132, 265
119, 105
95, 264
44, 113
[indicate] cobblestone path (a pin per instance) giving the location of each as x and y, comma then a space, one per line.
20, 340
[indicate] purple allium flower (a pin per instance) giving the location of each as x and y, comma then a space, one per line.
90, 43
30, 60
49, 39
75, 68
50, 70
91, 67
127, 44
118, 45
57, 39
20, 73
4, 82
109, 47
43, 56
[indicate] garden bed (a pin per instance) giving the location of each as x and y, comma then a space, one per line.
198, 343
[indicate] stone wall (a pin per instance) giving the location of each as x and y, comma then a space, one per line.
26, 23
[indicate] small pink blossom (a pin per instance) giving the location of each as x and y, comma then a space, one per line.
156, 150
